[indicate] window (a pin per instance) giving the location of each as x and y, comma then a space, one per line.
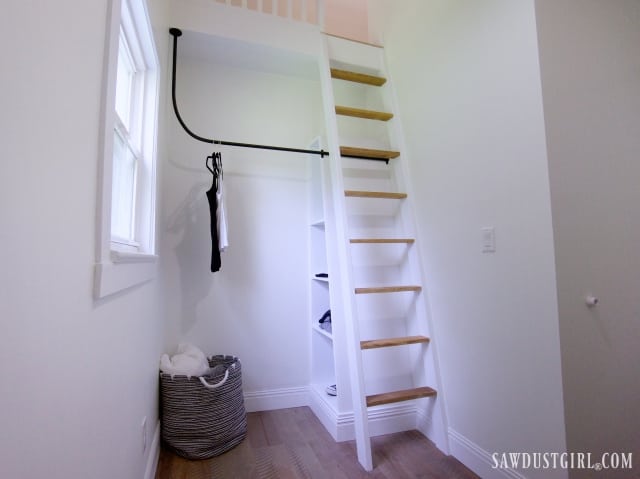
127, 152
126, 223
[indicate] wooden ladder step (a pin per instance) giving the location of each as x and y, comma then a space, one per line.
388, 289
360, 113
375, 194
398, 396
384, 343
357, 77
355, 152
381, 240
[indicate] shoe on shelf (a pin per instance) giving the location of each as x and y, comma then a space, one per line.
331, 390
326, 317
326, 327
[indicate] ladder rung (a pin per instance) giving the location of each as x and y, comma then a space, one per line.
388, 289
375, 194
397, 396
359, 113
354, 152
384, 343
381, 240
357, 77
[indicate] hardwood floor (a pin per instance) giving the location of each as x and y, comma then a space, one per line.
292, 444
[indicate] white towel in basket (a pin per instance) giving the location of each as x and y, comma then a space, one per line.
189, 360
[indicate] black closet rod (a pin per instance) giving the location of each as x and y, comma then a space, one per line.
176, 33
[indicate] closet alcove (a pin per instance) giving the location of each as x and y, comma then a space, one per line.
259, 306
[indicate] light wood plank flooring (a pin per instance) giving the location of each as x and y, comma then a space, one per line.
292, 444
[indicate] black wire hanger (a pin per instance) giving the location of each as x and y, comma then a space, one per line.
216, 171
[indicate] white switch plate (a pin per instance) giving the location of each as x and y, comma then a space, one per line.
488, 239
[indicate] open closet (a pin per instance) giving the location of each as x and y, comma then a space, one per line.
319, 291
255, 305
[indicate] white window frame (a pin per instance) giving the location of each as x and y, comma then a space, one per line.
121, 265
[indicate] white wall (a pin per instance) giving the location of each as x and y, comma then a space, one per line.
257, 306
590, 71
78, 375
467, 79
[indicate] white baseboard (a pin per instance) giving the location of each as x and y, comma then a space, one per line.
430, 423
324, 412
154, 455
382, 419
477, 459
276, 399
424, 424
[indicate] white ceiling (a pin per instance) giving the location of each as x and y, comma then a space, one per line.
235, 53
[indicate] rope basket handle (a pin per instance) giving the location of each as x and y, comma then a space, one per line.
217, 385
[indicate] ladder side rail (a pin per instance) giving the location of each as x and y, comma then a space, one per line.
347, 307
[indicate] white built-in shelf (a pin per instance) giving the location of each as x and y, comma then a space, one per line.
318, 224
320, 389
322, 332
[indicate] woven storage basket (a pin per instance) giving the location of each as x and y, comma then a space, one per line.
199, 422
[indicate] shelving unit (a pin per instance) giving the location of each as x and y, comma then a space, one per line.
322, 332
323, 362
320, 298
329, 364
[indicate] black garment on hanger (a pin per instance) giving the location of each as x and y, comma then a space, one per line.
216, 161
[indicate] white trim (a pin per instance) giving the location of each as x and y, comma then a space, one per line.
382, 420
391, 418
430, 423
154, 455
424, 424
132, 257
108, 114
113, 277
118, 242
476, 458
118, 270
276, 399
324, 411
358, 56
322, 332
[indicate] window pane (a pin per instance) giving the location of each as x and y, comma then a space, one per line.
123, 190
124, 83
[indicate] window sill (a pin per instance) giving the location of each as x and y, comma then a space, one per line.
124, 271
131, 257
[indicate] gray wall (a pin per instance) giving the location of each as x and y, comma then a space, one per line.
590, 61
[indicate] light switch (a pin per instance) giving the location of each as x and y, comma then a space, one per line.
488, 239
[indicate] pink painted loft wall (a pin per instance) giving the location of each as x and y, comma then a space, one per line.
347, 18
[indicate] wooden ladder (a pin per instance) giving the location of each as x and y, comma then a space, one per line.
349, 308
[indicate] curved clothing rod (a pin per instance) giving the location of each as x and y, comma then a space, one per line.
176, 33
